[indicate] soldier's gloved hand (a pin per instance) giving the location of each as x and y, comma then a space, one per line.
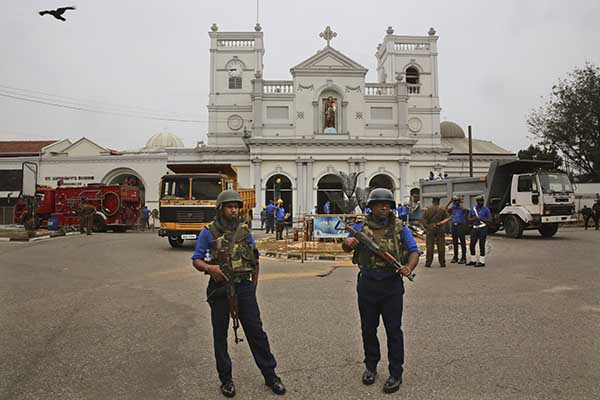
216, 273
351, 242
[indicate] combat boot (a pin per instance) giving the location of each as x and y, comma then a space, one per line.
463, 260
228, 389
368, 377
276, 385
481, 263
392, 384
454, 260
471, 260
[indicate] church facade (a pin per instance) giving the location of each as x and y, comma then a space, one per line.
328, 118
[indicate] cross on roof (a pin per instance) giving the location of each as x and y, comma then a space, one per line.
328, 34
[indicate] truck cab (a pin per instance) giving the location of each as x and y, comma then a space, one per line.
188, 199
538, 200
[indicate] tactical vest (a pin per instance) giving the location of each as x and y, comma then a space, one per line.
385, 239
243, 259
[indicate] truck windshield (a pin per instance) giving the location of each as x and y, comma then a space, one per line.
555, 183
175, 188
206, 188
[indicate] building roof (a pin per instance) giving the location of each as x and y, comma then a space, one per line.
163, 140
461, 146
449, 129
23, 147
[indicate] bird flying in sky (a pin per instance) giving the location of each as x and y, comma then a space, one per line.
57, 13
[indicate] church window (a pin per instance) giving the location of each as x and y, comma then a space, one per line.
235, 82
412, 76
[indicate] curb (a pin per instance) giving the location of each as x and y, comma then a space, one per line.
38, 238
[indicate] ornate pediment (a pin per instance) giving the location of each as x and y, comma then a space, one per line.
329, 61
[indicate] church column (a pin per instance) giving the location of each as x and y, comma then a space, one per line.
257, 177
316, 117
404, 177
402, 104
362, 167
257, 103
309, 195
300, 188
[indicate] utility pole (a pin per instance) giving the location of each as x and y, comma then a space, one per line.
470, 153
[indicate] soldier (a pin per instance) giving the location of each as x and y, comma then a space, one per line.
479, 216
86, 216
434, 219
227, 239
459, 228
380, 286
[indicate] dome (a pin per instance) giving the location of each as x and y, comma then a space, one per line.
451, 130
162, 140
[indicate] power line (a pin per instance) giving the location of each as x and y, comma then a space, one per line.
34, 99
54, 97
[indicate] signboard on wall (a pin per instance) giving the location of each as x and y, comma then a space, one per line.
77, 180
325, 227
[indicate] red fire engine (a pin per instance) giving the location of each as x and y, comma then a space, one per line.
117, 207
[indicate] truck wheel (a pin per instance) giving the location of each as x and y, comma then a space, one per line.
175, 242
548, 230
98, 224
513, 226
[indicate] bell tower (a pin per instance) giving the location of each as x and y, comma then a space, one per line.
235, 58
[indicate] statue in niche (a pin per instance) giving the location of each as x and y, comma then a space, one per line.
330, 110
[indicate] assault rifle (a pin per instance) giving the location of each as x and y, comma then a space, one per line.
374, 248
224, 255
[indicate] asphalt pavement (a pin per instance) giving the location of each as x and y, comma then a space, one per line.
124, 316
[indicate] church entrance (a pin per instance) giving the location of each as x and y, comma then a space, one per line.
328, 183
382, 181
280, 187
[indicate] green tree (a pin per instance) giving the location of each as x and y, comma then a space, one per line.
535, 152
569, 122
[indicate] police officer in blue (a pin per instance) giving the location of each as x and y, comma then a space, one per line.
458, 216
227, 233
402, 211
479, 216
380, 286
270, 217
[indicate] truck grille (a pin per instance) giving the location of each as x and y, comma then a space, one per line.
187, 214
558, 209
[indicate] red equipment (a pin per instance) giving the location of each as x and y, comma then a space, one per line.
117, 207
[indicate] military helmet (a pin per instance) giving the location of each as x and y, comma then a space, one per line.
229, 196
480, 197
383, 195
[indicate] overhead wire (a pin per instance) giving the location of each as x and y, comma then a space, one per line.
77, 106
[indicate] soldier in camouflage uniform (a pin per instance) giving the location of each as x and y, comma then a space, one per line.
86, 213
434, 220
380, 286
226, 251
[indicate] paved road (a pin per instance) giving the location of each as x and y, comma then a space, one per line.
123, 316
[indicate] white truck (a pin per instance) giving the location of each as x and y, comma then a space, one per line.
519, 193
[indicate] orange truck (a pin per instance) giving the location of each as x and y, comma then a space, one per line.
188, 198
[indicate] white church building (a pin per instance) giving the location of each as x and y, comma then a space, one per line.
325, 118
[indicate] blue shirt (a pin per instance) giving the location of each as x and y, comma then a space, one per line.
280, 214
459, 214
203, 243
327, 208
483, 211
270, 209
402, 211
146, 212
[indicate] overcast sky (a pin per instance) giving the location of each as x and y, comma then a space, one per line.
496, 58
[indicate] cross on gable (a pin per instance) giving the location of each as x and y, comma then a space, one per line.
328, 34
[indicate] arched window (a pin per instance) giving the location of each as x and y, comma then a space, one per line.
279, 187
381, 181
412, 76
331, 184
